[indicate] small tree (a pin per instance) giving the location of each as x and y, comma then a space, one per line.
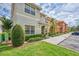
77, 28
52, 27
17, 35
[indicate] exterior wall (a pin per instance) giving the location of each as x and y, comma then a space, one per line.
22, 18
48, 24
55, 26
43, 22
65, 28
28, 21
20, 8
0, 27
61, 27
53, 22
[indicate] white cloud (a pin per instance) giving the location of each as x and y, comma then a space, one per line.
68, 12
5, 9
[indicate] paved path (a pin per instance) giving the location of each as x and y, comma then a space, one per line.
71, 42
57, 39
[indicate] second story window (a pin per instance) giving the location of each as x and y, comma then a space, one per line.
29, 9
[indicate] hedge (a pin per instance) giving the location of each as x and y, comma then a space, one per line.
34, 37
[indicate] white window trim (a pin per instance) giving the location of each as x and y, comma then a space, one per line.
30, 29
30, 8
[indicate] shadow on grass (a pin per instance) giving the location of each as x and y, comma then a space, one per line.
4, 47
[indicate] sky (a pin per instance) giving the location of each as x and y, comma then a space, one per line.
67, 12
5, 9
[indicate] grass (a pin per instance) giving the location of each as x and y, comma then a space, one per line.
36, 49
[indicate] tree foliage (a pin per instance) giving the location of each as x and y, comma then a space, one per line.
17, 35
52, 27
77, 28
6, 23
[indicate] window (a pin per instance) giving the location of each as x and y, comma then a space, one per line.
29, 29
29, 9
32, 11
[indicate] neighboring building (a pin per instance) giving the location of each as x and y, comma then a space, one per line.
29, 17
61, 27
58, 26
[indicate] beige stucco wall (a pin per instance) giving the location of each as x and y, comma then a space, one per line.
20, 7
0, 27
22, 18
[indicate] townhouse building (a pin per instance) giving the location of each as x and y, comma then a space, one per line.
61, 26
58, 26
29, 17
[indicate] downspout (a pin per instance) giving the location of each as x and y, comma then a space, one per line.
13, 12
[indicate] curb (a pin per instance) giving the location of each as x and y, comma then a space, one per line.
63, 40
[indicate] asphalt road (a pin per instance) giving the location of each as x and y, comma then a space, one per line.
72, 42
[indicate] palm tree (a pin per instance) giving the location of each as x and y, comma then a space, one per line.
6, 24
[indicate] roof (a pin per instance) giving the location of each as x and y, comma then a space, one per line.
34, 5
60, 21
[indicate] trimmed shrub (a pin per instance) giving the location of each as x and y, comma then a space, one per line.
29, 37
51, 34
17, 35
35, 39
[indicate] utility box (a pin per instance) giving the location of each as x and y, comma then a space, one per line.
5, 36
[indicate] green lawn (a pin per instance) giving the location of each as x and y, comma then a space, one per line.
36, 49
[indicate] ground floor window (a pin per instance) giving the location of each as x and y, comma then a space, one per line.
29, 29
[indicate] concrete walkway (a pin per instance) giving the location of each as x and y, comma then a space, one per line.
57, 39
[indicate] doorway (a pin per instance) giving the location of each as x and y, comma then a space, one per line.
42, 29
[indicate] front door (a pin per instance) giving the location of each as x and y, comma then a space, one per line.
43, 29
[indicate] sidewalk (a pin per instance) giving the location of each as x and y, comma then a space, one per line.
57, 39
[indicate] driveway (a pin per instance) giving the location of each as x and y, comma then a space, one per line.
71, 42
